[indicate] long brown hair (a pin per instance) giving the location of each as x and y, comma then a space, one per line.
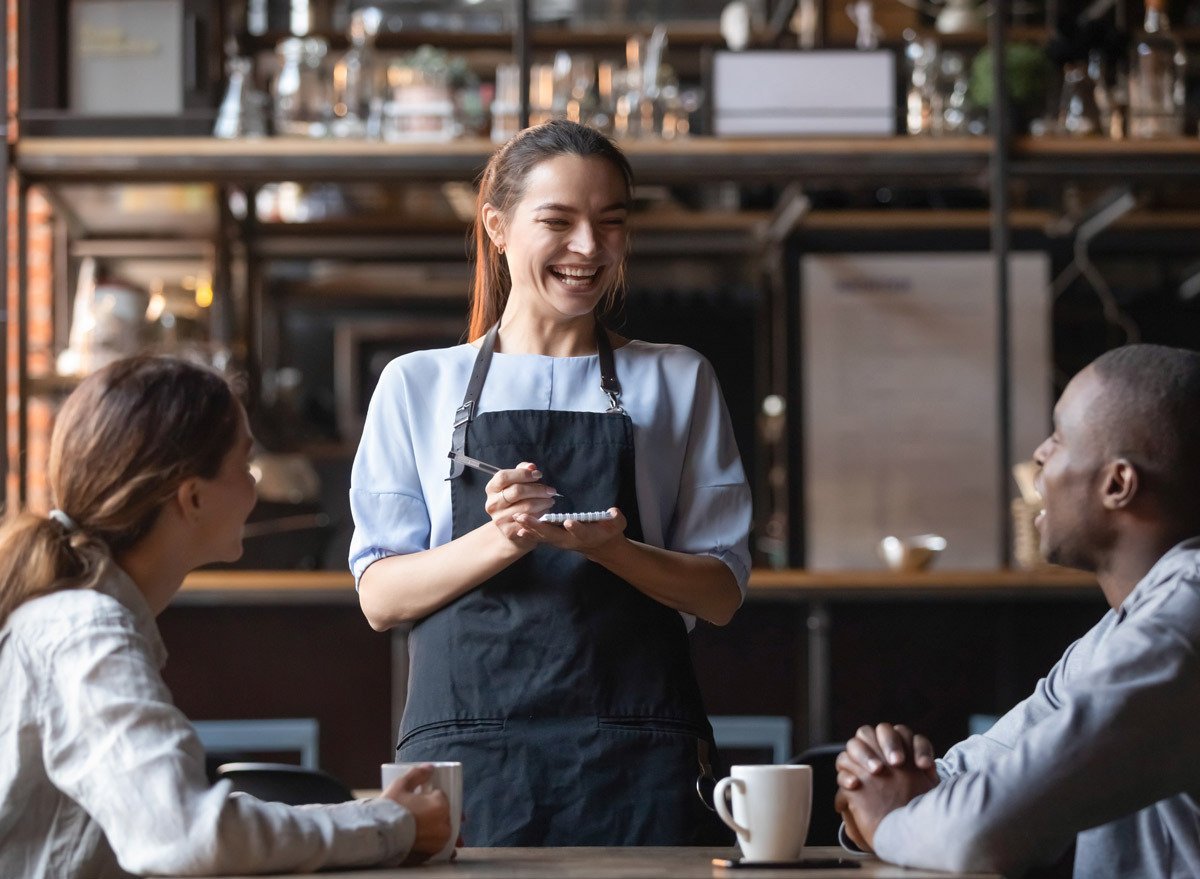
503, 184
123, 443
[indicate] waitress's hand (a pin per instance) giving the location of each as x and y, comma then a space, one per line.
515, 493
583, 537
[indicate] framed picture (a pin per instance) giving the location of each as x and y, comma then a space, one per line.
361, 350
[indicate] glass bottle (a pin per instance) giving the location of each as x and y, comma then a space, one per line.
1078, 114
300, 90
1156, 78
358, 77
243, 109
922, 85
1103, 95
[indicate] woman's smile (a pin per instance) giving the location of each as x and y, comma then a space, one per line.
578, 278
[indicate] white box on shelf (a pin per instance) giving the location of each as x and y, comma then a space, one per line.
769, 92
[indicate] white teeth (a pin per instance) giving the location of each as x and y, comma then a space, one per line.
575, 273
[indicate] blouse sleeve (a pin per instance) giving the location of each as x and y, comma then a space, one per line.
114, 742
386, 498
713, 510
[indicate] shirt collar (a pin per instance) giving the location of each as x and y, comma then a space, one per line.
120, 586
1181, 557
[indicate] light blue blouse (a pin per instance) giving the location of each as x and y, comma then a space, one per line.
692, 491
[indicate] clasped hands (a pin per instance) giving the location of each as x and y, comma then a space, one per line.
883, 768
516, 499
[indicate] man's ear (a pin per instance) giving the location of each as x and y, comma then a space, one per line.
493, 224
1120, 484
188, 499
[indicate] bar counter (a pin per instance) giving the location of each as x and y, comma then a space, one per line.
633, 863
337, 587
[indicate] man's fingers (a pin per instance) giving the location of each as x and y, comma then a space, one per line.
866, 739
864, 755
841, 802
893, 743
848, 781
847, 764
923, 751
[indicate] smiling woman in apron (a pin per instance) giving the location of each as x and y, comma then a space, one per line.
551, 658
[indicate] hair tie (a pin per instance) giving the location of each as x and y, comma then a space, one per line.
66, 521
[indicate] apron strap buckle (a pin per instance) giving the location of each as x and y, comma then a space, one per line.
463, 414
615, 403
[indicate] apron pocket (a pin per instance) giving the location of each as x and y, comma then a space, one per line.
668, 725
650, 766
450, 728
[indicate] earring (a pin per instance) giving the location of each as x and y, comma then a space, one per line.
500, 248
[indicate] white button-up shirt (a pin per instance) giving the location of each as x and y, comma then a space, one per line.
102, 775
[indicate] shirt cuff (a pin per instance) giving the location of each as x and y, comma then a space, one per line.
847, 843
397, 832
886, 848
740, 572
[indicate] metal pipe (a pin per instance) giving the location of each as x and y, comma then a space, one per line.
521, 51
22, 339
820, 717
1002, 136
4, 317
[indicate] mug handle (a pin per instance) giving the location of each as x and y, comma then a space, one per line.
720, 794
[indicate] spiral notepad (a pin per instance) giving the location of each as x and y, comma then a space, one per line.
559, 518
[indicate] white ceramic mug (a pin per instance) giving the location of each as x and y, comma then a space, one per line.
771, 808
448, 778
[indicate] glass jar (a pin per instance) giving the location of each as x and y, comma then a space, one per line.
300, 90
1078, 113
358, 79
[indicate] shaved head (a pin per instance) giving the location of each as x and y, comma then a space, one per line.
1150, 413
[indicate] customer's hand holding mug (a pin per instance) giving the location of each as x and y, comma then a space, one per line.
431, 810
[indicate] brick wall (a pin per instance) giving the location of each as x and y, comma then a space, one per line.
40, 329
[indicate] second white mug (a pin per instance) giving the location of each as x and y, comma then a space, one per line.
771, 809
448, 778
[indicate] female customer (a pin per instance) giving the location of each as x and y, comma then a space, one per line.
552, 659
99, 772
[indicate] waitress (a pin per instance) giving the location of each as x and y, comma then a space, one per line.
553, 659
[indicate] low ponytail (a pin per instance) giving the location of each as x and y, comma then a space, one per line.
39, 556
123, 443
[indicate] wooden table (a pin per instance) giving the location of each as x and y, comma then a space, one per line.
631, 863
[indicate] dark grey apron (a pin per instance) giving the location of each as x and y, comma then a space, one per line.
568, 695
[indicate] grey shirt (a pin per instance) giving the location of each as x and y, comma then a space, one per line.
1104, 748
101, 774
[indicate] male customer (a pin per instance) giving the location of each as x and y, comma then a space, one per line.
1105, 749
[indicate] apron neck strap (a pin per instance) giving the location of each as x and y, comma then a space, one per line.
608, 370
465, 412
483, 360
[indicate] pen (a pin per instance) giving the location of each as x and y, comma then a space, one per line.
474, 464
